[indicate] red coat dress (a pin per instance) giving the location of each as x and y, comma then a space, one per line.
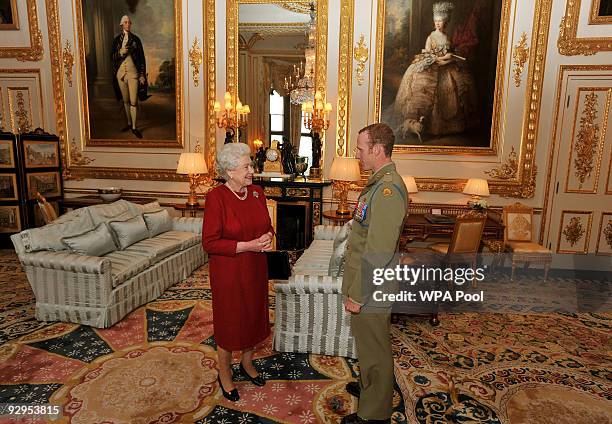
239, 282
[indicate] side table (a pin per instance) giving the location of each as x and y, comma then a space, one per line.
184, 207
337, 219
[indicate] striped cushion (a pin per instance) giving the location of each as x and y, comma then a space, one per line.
116, 211
127, 264
155, 248
185, 238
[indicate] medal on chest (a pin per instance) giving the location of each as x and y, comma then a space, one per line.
360, 212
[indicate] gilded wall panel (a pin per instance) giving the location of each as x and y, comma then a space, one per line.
569, 43
604, 237
574, 232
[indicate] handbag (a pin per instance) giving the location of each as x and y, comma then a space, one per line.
278, 265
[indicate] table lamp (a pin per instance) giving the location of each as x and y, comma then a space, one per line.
194, 165
411, 185
344, 171
477, 187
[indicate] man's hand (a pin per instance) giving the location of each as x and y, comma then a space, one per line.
352, 307
123, 51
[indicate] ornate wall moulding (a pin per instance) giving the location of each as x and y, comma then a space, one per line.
195, 59
574, 232
601, 12
345, 69
604, 240
569, 44
519, 57
34, 53
361, 55
68, 61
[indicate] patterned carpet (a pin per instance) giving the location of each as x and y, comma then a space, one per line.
158, 366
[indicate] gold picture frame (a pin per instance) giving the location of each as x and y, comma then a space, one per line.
595, 18
8, 187
10, 220
569, 44
178, 88
7, 154
9, 19
34, 52
46, 183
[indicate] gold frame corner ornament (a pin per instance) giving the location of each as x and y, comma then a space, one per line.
361, 55
35, 51
195, 59
569, 44
520, 56
68, 62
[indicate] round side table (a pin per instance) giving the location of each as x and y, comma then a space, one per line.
184, 207
337, 219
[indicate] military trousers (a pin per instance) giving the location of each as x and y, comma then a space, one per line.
371, 329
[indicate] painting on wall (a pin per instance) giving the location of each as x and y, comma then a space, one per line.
7, 158
604, 8
131, 77
45, 183
440, 61
9, 219
8, 187
40, 154
9, 18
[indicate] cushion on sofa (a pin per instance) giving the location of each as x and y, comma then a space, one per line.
156, 248
116, 211
125, 265
96, 242
138, 209
157, 222
343, 234
185, 238
49, 237
129, 231
336, 262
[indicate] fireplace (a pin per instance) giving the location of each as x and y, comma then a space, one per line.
299, 206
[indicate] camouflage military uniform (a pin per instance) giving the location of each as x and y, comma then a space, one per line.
378, 221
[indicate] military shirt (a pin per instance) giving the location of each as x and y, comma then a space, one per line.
377, 225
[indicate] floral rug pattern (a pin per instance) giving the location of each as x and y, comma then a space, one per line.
158, 366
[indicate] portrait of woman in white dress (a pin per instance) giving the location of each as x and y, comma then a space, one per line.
438, 100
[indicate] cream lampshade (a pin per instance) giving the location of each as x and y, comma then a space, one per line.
477, 187
344, 170
410, 183
193, 165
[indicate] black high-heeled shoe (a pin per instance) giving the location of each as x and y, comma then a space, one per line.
258, 381
233, 395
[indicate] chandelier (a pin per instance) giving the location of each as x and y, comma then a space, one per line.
303, 89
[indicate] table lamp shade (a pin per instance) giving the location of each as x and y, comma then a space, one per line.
345, 169
192, 163
410, 183
477, 187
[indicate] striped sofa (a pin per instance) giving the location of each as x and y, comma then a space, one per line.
100, 291
309, 313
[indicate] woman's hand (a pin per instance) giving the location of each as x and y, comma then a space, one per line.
445, 59
260, 244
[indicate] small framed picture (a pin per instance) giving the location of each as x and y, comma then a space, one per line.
7, 158
436, 211
45, 183
40, 154
9, 219
8, 187
9, 18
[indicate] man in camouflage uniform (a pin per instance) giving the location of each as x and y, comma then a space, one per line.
378, 222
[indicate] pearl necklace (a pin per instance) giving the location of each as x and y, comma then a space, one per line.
243, 197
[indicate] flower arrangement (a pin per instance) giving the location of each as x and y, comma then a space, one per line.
479, 205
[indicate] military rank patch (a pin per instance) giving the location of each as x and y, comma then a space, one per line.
360, 212
387, 192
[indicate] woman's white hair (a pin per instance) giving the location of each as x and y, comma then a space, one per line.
228, 157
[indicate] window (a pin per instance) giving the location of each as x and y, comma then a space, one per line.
305, 142
277, 117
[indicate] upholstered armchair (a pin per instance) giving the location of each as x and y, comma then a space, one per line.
518, 238
465, 242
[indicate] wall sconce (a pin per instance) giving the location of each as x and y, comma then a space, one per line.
234, 116
344, 171
193, 165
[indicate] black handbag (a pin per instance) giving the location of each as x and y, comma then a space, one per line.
278, 265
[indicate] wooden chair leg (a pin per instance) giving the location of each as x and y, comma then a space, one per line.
513, 269
546, 269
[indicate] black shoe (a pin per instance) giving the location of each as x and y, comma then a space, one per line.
126, 128
353, 388
137, 133
258, 381
356, 419
233, 395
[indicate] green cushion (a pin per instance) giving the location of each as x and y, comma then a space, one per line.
49, 237
157, 222
96, 242
336, 262
129, 232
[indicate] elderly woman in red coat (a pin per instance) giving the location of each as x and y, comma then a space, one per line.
236, 233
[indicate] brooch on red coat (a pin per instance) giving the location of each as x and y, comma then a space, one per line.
256, 194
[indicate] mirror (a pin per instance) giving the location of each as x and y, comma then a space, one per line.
274, 68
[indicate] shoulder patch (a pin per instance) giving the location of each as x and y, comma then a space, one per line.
387, 192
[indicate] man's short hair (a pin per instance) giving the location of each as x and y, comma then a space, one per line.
380, 133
